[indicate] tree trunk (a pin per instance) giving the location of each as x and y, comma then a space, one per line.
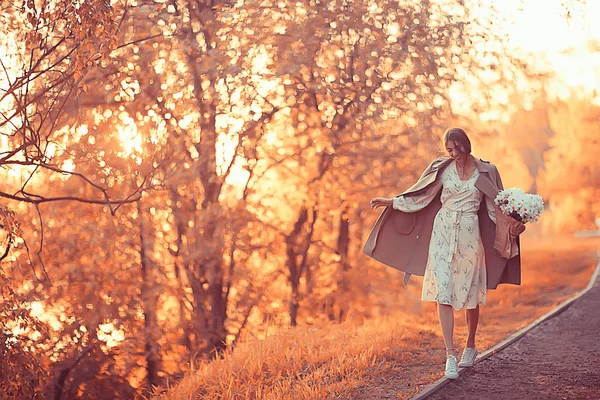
181, 222
342, 250
149, 306
297, 246
218, 341
344, 240
295, 284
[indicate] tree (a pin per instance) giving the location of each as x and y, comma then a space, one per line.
370, 81
570, 180
241, 140
56, 44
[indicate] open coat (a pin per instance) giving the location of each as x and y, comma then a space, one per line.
401, 240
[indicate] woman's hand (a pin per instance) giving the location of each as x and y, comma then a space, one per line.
517, 229
380, 202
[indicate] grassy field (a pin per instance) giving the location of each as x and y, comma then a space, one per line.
391, 357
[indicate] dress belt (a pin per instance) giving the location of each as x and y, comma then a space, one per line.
458, 214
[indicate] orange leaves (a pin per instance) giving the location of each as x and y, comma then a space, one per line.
10, 227
68, 36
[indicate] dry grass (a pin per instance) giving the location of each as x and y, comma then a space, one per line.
390, 357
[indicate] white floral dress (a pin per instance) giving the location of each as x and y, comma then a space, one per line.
455, 272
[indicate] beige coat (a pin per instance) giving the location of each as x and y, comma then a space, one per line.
401, 240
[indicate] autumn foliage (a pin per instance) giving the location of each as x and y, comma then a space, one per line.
178, 177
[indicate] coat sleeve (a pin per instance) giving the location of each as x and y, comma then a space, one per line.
490, 202
414, 202
417, 202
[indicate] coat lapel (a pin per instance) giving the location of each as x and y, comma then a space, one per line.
429, 176
485, 182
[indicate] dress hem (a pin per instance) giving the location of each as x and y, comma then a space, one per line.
453, 306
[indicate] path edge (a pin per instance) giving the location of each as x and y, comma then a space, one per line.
443, 381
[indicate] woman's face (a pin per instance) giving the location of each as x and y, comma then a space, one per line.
455, 150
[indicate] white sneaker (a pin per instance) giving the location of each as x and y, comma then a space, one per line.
451, 368
468, 357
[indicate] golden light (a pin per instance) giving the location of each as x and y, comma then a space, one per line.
8, 55
561, 45
130, 137
260, 61
539, 31
68, 166
110, 335
50, 317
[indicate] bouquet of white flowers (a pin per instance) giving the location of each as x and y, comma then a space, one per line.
523, 207
514, 208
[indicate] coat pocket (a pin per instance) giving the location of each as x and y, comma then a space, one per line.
404, 222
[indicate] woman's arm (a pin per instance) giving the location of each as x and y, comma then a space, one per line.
416, 202
377, 202
412, 203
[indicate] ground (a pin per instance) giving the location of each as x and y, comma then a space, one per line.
559, 359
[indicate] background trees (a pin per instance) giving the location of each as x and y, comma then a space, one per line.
218, 156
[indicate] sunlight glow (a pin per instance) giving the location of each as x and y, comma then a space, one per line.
560, 45
130, 137
109, 334
68, 166
260, 61
10, 69
49, 316
538, 31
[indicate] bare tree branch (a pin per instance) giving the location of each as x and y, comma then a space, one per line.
7, 248
41, 199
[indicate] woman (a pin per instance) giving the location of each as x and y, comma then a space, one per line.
443, 228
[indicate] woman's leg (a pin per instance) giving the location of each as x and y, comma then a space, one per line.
472, 317
446, 315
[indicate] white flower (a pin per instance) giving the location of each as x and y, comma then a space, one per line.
520, 205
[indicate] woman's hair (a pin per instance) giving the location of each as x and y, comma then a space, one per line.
460, 136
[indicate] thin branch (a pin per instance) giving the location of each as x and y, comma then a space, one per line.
129, 199
7, 248
308, 241
231, 267
41, 199
9, 154
262, 120
247, 187
28, 179
31, 261
61, 171
5, 72
64, 374
142, 40
244, 322
41, 248
23, 107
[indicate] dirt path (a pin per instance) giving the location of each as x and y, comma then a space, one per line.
558, 359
